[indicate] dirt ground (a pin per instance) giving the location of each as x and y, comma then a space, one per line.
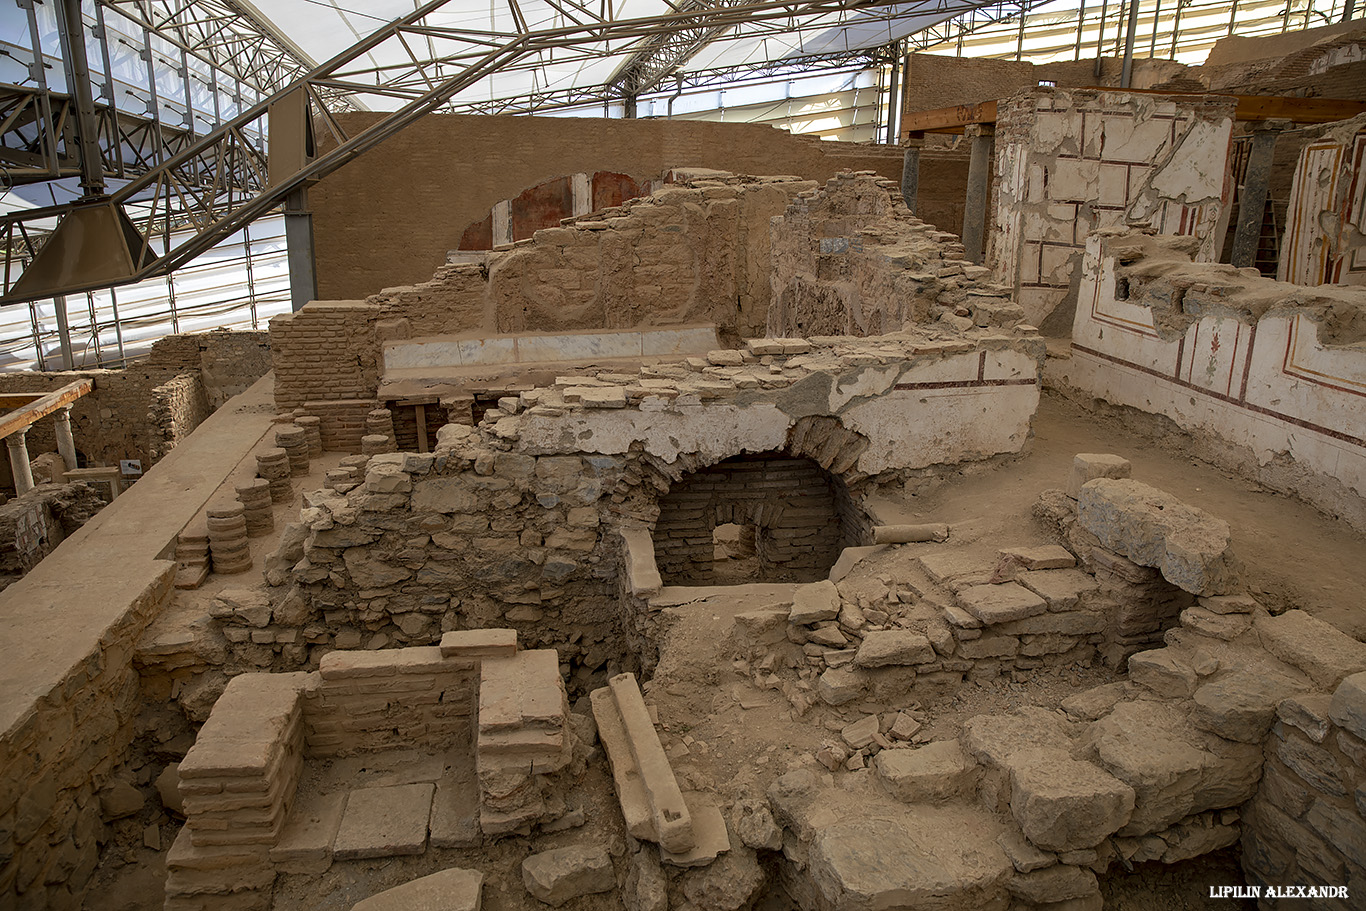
729, 738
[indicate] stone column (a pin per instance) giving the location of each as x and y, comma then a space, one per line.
1252, 200
910, 172
983, 136
66, 443
18, 460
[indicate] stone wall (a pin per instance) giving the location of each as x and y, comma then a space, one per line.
513, 522
33, 524
850, 259
175, 409
70, 696
1273, 373
182, 380
377, 226
246, 822
328, 351
1071, 162
694, 251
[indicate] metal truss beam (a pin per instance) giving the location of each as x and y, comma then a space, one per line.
583, 96
229, 34
662, 55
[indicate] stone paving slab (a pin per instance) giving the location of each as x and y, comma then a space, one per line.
305, 845
448, 890
383, 822
1001, 603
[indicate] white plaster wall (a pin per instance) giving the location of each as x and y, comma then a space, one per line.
1275, 390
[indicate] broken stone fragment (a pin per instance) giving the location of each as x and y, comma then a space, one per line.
840, 685
1241, 705
1152, 528
860, 734
1062, 804
815, 602
894, 647
447, 890
932, 773
1087, 466
557, 876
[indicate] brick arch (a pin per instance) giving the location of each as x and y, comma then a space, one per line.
797, 501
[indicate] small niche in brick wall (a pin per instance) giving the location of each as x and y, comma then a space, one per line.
769, 517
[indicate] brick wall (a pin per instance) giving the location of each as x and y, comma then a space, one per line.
378, 225
791, 503
327, 351
175, 409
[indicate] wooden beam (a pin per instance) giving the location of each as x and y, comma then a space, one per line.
1297, 110
1249, 108
948, 120
10, 400
24, 417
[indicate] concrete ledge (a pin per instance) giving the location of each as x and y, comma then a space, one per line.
61, 612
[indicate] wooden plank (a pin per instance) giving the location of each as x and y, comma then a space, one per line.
1299, 110
10, 400
22, 418
421, 427
948, 120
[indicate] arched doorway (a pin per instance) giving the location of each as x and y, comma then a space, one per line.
784, 516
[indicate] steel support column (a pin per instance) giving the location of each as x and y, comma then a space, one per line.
1126, 74
63, 332
975, 206
303, 273
1252, 200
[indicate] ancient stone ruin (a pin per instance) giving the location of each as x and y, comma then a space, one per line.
761, 547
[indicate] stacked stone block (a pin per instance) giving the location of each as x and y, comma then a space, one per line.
273, 466
292, 439
341, 423
255, 498
228, 544
192, 556
523, 732
237, 783
312, 433
389, 699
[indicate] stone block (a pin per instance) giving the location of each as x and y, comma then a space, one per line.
1063, 804
1217, 626
1164, 672
1024, 857
932, 773
479, 643
1241, 705
447, 890
305, 843
1045, 556
1152, 528
1307, 713
559, 875
893, 647
994, 739
1087, 466
384, 822
1321, 650
1063, 589
815, 602
1348, 707
840, 685
1001, 603
1319, 768
1058, 883
455, 814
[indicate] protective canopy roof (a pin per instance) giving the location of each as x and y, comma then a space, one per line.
324, 28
